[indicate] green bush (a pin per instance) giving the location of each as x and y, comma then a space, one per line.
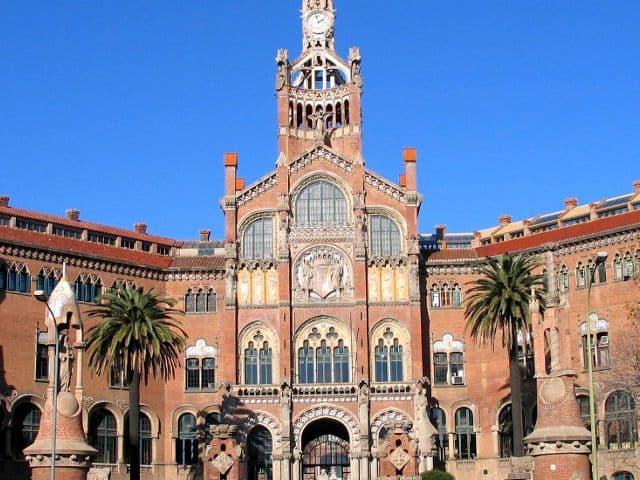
437, 475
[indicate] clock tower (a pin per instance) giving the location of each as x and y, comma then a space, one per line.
319, 92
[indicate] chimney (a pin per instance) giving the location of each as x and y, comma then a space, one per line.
410, 156
140, 228
504, 220
570, 203
636, 188
205, 235
441, 230
230, 169
4, 201
73, 214
239, 184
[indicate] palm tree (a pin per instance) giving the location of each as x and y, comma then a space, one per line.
137, 335
499, 301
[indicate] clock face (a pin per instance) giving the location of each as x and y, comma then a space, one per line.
318, 23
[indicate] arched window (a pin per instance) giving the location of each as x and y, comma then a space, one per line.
341, 363
46, 281
211, 301
435, 296
145, 440
457, 295
384, 236
321, 203
323, 361
439, 420
347, 113
623, 476
258, 365
465, 438
257, 241
103, 436
189, 302
620, 422
187, 442
599, 344
24, 428
389, 358
42, 356
563, 279
602, 272
505, 432
617, 267
583, 403
87, 288
445, 295
201, 301
627, 268
448, 361
299, 116
259, 451
305, 363
581, 275
18, 279
338, 114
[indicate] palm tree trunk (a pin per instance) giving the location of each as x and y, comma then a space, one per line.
134, 426
515, 379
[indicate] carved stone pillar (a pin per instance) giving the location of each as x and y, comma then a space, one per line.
223, 457
355, 465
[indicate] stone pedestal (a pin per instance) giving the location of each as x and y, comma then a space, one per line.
74, 455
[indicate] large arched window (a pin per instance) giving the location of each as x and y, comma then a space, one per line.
323, 356
145, 440
187, 442
257, 241
321, 203
620, 420
384, 236
258, 364
24, 429
259, 450
103, 436
505, 432
388, 359
599, 344
465, 438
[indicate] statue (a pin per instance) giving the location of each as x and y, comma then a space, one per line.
282, 76
354, 61
65, 359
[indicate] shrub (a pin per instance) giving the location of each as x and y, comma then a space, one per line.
437, 475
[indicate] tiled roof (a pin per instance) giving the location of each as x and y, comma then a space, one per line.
81, 247
186, 263
80, 224
452, 254
599, 226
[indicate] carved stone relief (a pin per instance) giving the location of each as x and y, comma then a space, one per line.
322, 273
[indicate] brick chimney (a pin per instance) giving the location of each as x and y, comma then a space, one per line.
636, 187
570, 203
230, 169
239, 184
410, 156
504, 220
4, 201
140, 228
205, 235
73, 214
402, 180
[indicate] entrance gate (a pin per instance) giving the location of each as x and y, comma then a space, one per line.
325, 454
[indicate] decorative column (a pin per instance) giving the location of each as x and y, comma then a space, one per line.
73, 455
297, 456
559, 443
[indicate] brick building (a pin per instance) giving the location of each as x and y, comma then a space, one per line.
326, 334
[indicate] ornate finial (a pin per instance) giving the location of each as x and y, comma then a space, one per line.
354, 61
284, 72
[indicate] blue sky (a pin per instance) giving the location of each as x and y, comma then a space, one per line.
124, 109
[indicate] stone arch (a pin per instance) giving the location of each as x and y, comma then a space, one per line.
399, 331
326, 411
387, 417
36, 400
266, 420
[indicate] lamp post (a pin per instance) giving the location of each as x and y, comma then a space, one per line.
41, 296
601, 257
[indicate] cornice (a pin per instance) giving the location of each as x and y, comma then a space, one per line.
388, 188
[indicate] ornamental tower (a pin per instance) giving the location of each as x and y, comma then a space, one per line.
319, 92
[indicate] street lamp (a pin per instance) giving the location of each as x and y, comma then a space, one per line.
601, 257
41, 296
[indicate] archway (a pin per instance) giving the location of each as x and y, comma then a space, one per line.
259, 452
325, 451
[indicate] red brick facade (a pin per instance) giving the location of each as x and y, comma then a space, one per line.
324, 320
